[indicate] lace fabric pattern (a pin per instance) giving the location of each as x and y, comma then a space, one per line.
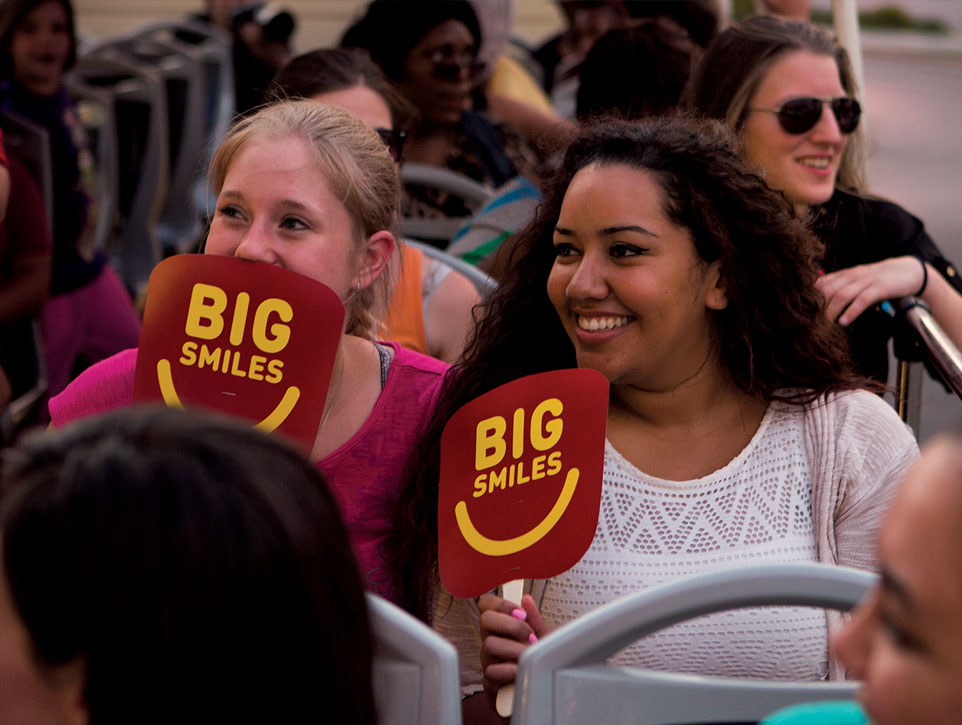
756, 509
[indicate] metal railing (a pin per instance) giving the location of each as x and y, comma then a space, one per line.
942, 353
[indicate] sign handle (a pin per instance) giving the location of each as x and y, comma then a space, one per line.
504, 704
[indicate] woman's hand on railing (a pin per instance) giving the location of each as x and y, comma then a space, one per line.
849, 292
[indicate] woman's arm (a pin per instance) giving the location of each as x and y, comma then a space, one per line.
4, 180
849, 292
4, 191
26, 282
449, 316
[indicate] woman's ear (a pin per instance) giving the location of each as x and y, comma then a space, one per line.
70, 686
715, 298
374, 258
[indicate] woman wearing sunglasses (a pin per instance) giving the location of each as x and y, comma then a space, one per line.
429, 49
788, 90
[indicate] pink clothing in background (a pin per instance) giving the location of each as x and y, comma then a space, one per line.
365, 473
89, 323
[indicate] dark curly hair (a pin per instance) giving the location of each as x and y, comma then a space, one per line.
773, 337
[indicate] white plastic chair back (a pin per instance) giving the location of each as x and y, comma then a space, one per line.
183, 72
442, 229
213, 47
18, 411
138, 96
564, 678
484, 283
416, 679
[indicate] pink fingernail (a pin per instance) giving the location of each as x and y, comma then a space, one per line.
519, 614
532, 638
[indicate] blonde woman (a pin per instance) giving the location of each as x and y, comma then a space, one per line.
312, 189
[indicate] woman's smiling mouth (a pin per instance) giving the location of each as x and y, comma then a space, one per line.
598, 324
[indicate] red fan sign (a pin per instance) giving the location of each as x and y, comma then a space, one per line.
244, 338
520, 488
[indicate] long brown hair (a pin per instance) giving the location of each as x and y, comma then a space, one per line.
738, 59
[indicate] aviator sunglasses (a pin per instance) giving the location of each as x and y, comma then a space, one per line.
798, 115
393, 138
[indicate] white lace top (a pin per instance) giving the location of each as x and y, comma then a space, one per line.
845, 454
757, 509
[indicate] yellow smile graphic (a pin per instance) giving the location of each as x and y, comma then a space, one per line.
503, 547
270, 423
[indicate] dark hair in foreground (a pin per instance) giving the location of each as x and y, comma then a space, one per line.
773, 337
12, 13
198, 568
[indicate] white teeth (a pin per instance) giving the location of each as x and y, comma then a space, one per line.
816, 163
594, 324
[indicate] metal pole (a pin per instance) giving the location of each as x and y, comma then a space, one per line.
845, 16
944, 355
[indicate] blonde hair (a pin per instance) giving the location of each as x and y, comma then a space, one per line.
361, 174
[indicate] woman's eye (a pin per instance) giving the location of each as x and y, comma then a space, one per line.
899, 636
620, 250
229, 211
563, 249
293, 224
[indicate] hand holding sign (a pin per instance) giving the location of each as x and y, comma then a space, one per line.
244, 338
521, 470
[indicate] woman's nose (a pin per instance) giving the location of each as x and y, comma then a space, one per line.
257, 246
852, 645
827, 130
588, 281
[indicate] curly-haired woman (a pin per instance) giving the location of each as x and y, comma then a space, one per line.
737, 432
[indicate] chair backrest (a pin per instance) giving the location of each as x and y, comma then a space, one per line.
138, 97
30, 144
564, 679
181, 67
95, 108
416, 679
441, 229
213, 46
19, 410
484, 283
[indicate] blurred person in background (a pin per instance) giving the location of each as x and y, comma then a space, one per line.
430, 49
431, 308
24, 274
89, 315
261, 35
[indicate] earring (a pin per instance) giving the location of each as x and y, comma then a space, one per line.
355, 293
